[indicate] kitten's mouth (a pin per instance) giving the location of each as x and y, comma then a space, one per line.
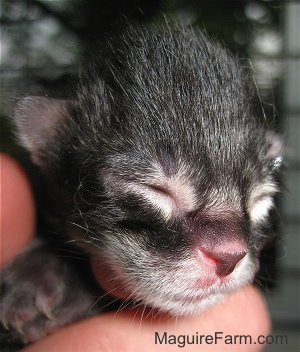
114, 286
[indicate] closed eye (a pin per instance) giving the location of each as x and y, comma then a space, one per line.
261, 207
261, 201
170, 196
159, 197
160, 190
162, 199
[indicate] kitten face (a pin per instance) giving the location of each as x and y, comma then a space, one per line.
172, 248
169, 174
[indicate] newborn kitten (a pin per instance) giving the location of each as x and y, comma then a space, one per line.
160, 170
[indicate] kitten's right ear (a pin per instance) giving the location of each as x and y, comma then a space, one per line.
38, 120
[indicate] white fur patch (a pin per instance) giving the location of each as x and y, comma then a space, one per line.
261, 201
261, 209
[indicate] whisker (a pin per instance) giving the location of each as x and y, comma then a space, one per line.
82, 227
258, 93
141, 319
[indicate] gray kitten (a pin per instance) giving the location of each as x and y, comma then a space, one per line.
160, 169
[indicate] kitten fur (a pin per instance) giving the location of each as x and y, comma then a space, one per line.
166, 173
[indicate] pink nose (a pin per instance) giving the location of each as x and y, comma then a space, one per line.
226, 260
221, 242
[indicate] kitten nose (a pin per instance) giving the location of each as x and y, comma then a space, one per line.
225, 261
221, 243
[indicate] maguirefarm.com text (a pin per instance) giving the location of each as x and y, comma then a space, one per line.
218, 337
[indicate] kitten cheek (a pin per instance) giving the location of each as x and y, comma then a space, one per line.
106, 278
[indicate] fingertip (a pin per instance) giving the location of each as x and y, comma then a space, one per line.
17, 214
258, 306
243, 313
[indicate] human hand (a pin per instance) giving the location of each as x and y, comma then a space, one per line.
242, 313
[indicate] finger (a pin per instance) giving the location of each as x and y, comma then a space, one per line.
17, 214
242, 313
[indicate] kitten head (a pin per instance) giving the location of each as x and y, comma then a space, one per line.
170, 174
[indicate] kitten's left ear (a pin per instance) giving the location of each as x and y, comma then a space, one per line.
274, 151
38, 120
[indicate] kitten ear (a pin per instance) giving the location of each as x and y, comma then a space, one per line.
274, 151
37, 120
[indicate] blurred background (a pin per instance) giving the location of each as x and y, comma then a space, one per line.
42, 42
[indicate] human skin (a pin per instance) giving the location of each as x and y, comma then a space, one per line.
242, 313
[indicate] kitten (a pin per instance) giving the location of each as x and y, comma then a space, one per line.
160, 169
